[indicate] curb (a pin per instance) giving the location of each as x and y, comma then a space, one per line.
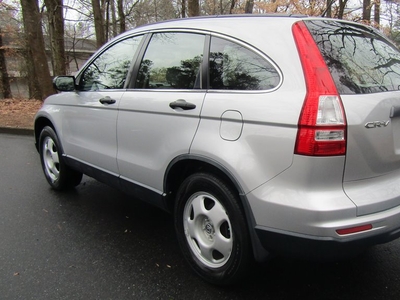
16, 131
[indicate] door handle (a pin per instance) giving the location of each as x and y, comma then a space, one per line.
182, 104
107, 100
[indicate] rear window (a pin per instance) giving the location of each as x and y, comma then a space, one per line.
361, 61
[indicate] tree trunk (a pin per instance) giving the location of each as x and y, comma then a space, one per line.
36, 48
366, 10
342, 6
106, 12
233, 2
113, 19
249, 6
33, 83
98, 23
183, 9
121, 16
56, 27
193, 8
155, 10
5, 81
377, 13
328, 12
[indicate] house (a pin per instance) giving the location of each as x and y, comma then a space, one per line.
77, 51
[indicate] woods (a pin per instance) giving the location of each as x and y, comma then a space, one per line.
44, 25
38, 71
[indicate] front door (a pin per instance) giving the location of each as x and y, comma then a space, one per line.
159, 117
90, 119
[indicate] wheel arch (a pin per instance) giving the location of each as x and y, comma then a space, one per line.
41, 123
185, 165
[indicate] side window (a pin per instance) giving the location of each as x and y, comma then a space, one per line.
172, 61
109, 70
234, 67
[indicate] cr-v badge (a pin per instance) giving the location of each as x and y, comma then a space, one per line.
377, 124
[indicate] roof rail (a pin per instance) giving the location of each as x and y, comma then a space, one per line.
270, 15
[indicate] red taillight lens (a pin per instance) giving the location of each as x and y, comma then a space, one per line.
307, 144
356, 229
322, 126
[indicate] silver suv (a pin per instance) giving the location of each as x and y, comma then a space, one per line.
261, 134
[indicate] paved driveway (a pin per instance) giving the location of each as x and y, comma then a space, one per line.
96, 243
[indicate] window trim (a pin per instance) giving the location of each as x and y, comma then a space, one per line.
205, 86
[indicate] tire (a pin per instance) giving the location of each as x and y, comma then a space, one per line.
211, 229
57, 173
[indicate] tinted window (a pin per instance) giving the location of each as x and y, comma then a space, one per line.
360, 60
234, 67
172, 61
109, 70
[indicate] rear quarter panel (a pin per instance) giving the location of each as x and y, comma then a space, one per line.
269, 118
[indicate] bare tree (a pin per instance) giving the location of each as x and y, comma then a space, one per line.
56, 28
38, 68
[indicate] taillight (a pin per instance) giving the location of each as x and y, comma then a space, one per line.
356, 229
322, 125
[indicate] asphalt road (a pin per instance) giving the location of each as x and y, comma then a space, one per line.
96, 243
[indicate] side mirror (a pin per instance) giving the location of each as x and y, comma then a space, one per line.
64, 83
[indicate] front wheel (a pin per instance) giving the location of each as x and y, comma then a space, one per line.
211, 229
57, 173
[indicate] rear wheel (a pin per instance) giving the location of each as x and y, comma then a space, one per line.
57, 173
211, 229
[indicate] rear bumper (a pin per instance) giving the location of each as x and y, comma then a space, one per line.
317, 234
300, 211
319, 248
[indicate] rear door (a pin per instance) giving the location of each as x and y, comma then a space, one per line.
245, 120
366, 70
